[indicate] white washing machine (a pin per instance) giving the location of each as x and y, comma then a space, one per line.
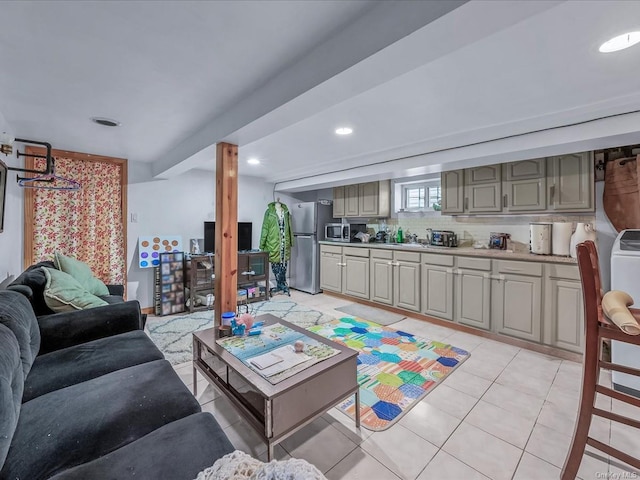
625, 276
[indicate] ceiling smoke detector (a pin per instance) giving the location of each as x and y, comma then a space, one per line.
105, 122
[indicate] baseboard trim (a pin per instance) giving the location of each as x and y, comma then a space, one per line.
148, 310
516, 342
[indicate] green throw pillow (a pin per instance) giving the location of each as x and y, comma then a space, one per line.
63, 293
81, 272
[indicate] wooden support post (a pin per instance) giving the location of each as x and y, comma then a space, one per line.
226, 249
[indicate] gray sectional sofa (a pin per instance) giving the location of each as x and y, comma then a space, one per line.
87, 395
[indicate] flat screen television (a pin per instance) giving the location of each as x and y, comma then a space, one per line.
245, 231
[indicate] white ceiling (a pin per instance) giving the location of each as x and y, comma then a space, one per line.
417, 81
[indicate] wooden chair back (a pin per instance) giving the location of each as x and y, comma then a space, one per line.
597, 328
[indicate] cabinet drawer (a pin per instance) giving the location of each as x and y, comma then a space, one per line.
380, 253
569, 272
331, 249
356, 252
435, 259
519, 268
407, 257
474, 263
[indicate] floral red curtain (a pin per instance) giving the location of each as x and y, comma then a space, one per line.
86, 224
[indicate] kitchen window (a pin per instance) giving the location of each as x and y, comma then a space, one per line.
420, 197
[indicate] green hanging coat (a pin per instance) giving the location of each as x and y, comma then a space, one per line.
270, 235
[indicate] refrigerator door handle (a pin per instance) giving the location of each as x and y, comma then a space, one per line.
302, 236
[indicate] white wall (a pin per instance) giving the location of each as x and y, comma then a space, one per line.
11, 239
179, 206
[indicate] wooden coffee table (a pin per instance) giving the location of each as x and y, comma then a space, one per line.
277, 411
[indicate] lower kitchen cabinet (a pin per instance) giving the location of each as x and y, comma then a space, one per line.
406, 280
355, 273
331, 268
473, 292
437, 285
564, 314
517, 299
382, 276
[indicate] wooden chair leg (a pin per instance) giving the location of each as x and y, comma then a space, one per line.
590, 374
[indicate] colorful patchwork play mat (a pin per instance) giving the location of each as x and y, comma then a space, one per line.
395, 368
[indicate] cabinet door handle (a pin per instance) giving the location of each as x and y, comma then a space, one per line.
552, 192
341, 264
504, 200
466, 203
250, 272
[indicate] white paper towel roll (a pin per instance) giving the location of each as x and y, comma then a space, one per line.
561, 238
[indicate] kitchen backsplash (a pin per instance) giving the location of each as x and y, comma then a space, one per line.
477, 228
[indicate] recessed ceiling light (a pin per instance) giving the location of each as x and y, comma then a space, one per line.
253, 161
620, 42
105, 122
344, 131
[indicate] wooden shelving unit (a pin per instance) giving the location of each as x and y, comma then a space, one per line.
199, 280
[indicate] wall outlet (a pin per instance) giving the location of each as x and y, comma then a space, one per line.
134, 218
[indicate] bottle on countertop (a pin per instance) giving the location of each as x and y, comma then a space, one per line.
400, 237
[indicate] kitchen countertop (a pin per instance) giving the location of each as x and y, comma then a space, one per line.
464, 251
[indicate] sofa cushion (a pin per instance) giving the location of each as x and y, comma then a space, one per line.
177, 451
63, 293
83, 362
17, 315
11, 384
33, 277
81, 272
83, 422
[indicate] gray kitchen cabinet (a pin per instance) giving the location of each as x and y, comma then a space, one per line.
570, 183
331, 268
452, 191
381, 282
338, 202
355, 273
371, 199
483, 189
516, 303
406, 280
473, 292
524, 186
351, 201
437, 285
563, 310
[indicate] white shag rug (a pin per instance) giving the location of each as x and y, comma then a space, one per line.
172, 334
240, 466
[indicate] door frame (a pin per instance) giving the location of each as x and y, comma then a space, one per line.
29, 196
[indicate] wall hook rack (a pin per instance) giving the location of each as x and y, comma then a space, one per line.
49, 168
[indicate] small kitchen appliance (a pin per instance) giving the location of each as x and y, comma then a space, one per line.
337, 232
540, 238
442, 238
498, 240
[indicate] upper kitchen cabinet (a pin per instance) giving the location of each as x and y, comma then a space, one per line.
351, 201
555, 184
483, 189
452, 188
570, 182
524, 186
338, 202
370, 199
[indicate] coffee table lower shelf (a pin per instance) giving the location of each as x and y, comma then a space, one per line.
277, 411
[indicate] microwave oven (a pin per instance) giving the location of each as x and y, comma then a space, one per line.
337, 232
343, 232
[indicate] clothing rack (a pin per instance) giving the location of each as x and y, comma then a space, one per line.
46, 178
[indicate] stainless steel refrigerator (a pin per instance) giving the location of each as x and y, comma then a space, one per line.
307, 223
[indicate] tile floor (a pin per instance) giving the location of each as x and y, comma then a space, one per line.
505, 414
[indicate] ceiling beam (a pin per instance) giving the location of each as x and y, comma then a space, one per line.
381, 26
